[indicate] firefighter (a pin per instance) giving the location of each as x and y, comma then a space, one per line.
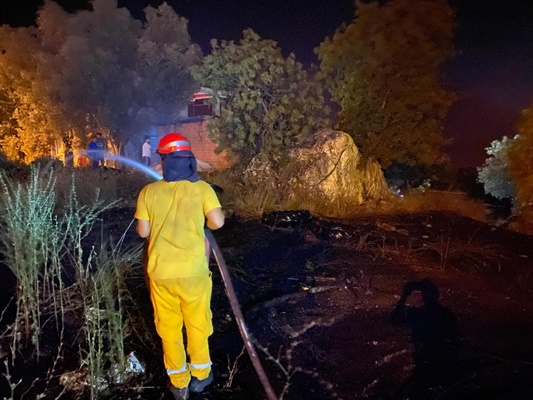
171, 215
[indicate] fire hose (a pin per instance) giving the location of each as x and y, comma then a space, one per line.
235, 306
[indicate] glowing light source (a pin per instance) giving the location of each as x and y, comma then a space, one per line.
201, 96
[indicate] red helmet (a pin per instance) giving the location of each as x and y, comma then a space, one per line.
174, 142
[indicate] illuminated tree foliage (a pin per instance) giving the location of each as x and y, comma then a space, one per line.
25, 125
98, 69
269, 101
520, 159
8, 127
494, 173
383, 70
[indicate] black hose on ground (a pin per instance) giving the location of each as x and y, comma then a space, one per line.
235, 306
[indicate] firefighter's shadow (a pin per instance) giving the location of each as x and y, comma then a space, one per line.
436, 340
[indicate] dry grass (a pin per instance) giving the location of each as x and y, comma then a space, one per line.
522, 225
247, 200
252, 200
463, 256
454, 202
423, 202
112, 185
323, 207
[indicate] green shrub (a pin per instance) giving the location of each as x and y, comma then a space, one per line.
494, 174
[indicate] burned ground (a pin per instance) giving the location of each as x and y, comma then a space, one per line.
331, 300
320, 306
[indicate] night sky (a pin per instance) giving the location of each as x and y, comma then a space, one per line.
493, 75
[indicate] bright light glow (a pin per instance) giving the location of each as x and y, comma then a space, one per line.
201, 96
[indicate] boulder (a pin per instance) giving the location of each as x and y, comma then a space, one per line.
328, 169
261, 172
329, 165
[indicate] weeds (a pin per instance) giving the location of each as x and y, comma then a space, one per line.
42, 248
461, 255
12, 385
233, 369
31, 242
285, 358
253, 201
102, 299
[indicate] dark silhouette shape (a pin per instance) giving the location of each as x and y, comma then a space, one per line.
436, 341
92, 151
96, 150
101, 147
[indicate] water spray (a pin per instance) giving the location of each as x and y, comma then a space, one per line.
128, 161
132, 163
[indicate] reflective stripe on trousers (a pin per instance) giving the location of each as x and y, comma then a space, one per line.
178, 302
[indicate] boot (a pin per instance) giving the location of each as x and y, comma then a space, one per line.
198, 386
179, 393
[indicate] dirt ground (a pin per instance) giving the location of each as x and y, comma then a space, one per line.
324, 294
321, 299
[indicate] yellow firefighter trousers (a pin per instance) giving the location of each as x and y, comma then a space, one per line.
177, 302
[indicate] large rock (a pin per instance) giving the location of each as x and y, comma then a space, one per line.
330, 165
328, 169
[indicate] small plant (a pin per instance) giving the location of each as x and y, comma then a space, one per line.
103, 296
285, 360
233, 369
30, 241
43, 247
